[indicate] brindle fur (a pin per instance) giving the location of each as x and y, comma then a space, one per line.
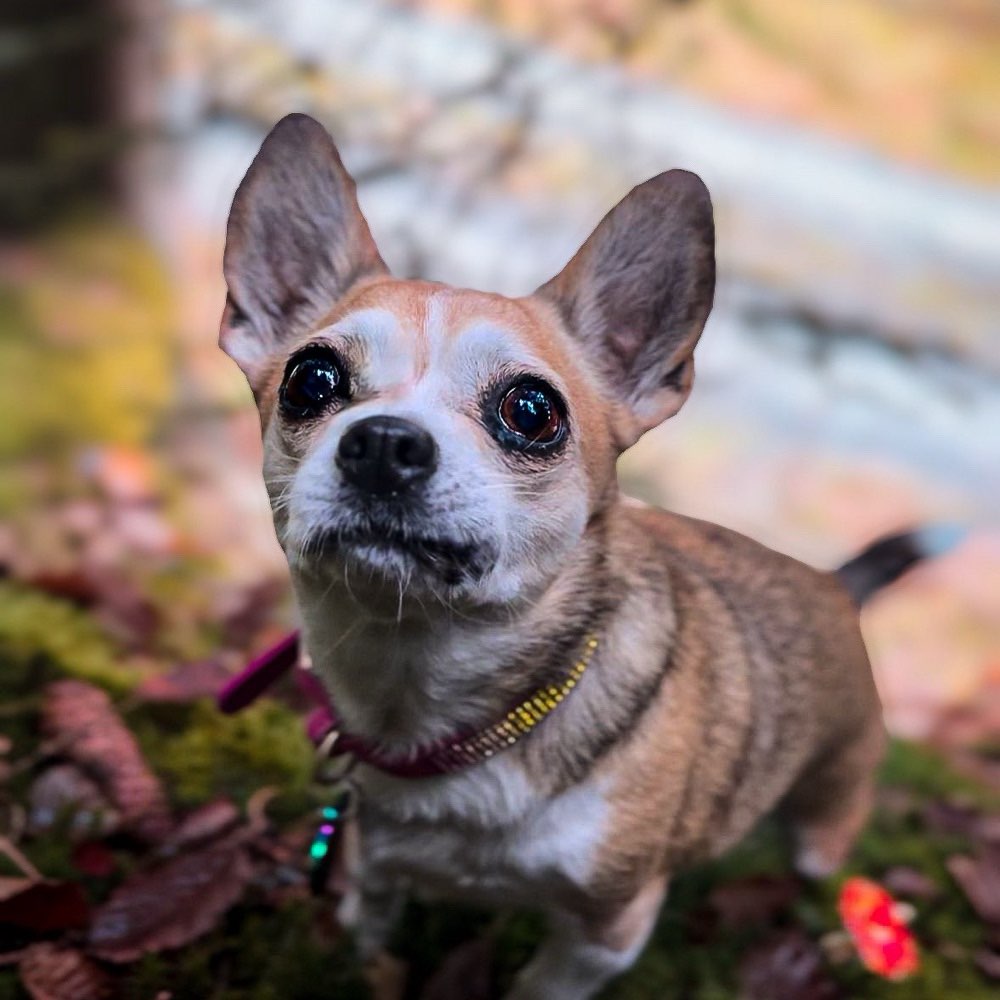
729, 679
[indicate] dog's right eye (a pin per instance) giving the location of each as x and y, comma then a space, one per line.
312, 382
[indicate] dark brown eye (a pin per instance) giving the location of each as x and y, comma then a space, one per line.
532, 411
312, 382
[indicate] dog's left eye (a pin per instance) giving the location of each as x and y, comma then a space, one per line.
533, 411
312, 382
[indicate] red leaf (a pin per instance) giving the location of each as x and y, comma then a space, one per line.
169, 906
73, 586
43, 906
788, 966
82, 719
50, 972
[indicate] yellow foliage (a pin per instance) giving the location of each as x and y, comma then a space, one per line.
85, 353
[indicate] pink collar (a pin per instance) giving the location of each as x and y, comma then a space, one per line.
445, 756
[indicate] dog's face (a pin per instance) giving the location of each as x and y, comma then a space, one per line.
443, 441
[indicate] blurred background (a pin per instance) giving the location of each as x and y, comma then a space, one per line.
847, 380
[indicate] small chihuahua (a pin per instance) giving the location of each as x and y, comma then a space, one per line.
554, 696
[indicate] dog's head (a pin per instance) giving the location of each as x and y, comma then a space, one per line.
451, 441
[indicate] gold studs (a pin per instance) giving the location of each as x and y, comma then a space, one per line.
520, 720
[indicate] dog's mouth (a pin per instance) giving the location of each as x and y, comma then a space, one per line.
382, 547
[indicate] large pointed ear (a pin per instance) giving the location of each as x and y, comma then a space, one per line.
637, 295
296, 241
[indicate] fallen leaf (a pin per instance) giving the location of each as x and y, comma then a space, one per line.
788, 966
905, 881
168, 906
117, 601
465, 974
979, 879
43, 906
51, 972
754, 900
956, 818
82, 719
73, 585
981, 767
205, 823
988, 962
243, 613
125, 611
184, 683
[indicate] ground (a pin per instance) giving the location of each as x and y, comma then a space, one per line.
150, 847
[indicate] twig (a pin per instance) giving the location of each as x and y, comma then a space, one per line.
13, 854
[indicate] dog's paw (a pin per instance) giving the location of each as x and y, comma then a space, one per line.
349, 910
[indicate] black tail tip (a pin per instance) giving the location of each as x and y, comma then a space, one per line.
888, 558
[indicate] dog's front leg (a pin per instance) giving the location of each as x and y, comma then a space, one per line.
370, 911
373, 898
580, 956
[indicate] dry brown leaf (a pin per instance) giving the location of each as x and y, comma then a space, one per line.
82, 719
168, 906
50, 972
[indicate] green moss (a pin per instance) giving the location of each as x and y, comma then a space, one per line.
926, 774
10, 985
255, 956
42, 638
212, 754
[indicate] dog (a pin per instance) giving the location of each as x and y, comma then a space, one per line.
555, 697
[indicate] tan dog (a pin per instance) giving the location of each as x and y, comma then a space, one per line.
441, 466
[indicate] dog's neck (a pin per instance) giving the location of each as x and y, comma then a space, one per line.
430, 670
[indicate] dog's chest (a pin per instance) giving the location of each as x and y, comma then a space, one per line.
456, 848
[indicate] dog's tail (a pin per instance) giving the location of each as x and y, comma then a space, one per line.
890, 557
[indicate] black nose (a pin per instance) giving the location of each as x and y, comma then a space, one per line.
382, 455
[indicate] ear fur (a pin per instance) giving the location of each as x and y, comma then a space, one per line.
637, 294
296, 241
